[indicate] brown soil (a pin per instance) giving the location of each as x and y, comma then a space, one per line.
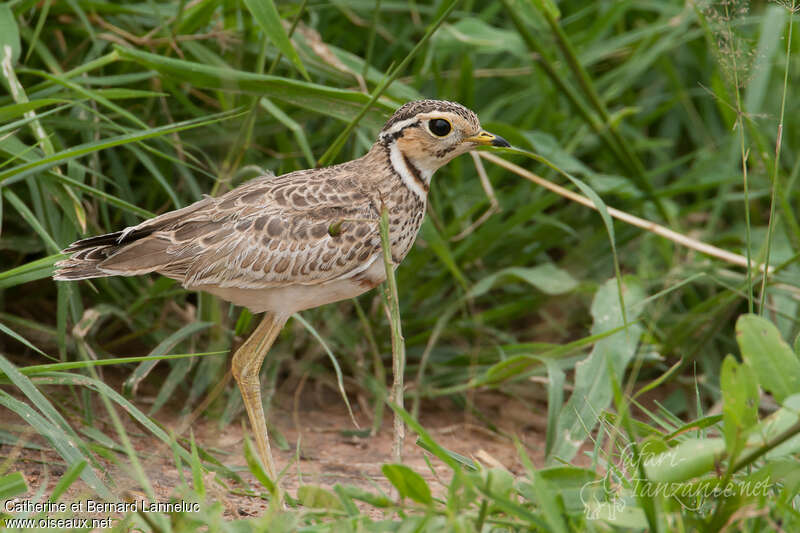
327, 455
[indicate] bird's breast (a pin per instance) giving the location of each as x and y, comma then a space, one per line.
406, 213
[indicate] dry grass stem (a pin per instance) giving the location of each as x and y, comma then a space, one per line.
652, 227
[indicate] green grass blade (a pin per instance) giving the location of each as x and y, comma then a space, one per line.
19, 338
334, 362
147, 365
72, 365
266, 15
12, 485
15, 174
337, 103
38, 269
61, 441
330, 154
70, 476
64, 378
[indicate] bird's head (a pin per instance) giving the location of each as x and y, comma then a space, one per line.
429, 133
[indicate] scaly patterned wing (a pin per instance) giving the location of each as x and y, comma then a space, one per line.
300, 228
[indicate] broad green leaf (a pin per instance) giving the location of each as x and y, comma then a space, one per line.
546, 277
599, 205
593, 392
739, 402
775, 425
408, 483
773, 361
316, 497
267, 16
687, 460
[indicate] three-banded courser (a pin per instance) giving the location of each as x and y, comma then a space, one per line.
282, 244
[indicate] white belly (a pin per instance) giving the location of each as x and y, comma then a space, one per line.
293, 298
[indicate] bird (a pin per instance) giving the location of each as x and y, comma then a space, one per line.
278, 245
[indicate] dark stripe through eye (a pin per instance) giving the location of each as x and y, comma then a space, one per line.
439, 127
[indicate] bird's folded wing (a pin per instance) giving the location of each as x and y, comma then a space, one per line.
261, 235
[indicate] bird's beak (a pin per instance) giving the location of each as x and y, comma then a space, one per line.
485, 138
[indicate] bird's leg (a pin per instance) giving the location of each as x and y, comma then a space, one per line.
245, 367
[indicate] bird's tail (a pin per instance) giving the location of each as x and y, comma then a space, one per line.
133, 253
87, 254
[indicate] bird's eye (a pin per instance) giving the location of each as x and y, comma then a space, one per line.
439, 127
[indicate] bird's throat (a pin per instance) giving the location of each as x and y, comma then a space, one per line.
414, 178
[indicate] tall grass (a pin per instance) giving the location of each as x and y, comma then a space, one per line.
114, 111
